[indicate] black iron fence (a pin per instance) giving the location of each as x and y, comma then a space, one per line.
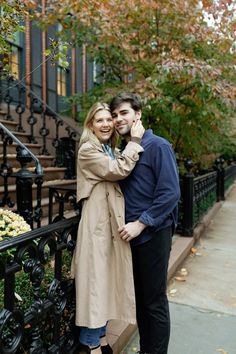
37, 300
36, 121
24, 179
199, 194
37, 296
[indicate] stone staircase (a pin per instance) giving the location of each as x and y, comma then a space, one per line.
52, 175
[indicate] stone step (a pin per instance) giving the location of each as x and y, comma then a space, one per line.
69, 211
45, 186
45, 207
45, 198
45, 160
23, 137
9, 124
11, 149
2, 113
50, 173
68, 214
12, 126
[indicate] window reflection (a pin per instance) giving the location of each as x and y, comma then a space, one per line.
61, 81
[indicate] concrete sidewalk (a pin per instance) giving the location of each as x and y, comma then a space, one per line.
202, 290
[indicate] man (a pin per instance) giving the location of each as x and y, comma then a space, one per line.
151, 197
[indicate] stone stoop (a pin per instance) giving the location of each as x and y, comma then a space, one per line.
52, 175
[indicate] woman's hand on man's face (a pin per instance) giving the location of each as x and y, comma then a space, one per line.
137, 129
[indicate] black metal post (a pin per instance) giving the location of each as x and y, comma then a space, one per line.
222, 180
8, 99
188, 196
44, 131
20, 108
32, 120
219, 166
38, 212
24, 181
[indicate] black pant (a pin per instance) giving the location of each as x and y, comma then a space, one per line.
150, 265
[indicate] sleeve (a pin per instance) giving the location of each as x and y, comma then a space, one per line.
167, 190
97, 165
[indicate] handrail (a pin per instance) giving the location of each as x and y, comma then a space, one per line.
38, 169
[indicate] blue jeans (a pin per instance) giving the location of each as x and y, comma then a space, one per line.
91, 336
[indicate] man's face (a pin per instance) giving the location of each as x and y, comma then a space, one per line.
123, 118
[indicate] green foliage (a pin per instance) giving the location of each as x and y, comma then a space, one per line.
23, 286
183, 67
57, 52
101, 92
190, 114
12, 15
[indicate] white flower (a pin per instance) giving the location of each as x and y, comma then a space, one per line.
11, 224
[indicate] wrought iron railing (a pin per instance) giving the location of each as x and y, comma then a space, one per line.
37, 299
204, 195
62, 195
14, 96
229, 176
24, 179
199, 194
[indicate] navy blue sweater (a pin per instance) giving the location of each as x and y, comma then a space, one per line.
152, 190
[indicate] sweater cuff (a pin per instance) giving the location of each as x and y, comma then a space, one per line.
146, 219
135, 139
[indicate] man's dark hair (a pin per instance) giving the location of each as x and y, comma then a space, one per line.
122, 97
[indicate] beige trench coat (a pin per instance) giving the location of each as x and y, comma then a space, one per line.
102, 263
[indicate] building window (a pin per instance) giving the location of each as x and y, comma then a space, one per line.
61, 81
97, 73
61, 71
13, 59
14, 62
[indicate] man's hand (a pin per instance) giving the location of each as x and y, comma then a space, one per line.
131, 230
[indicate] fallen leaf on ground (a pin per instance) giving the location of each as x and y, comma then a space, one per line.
183, 271
222, 351
173, 291
18, 297
180, 279
193, 250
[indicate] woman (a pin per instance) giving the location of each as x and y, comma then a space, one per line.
102, 264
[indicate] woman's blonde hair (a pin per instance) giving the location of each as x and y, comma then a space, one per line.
88, 134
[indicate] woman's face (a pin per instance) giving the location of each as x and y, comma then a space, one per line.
103, 126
